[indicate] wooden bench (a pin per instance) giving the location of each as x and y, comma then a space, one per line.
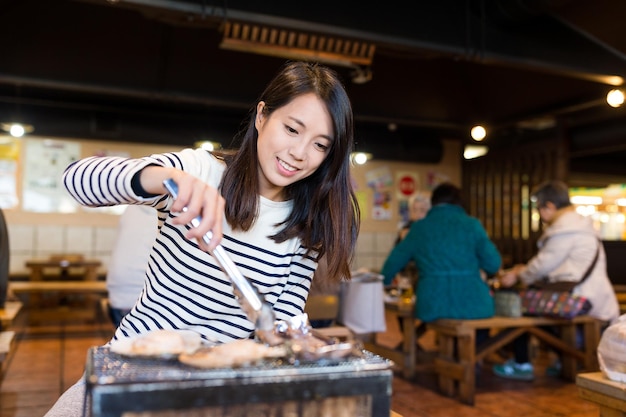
9, 313
457, 367
7, 339
98, 287
37, 313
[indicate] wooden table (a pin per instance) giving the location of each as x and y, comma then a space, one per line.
609, 395
63, 266
49, 293
9, 313
407, 358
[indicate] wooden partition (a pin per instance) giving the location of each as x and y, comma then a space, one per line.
497, 190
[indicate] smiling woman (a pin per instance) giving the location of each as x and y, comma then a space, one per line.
277, 205
293, 140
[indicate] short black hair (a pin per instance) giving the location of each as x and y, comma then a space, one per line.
553, 191
446, 193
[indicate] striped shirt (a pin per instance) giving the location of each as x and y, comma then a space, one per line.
185, 287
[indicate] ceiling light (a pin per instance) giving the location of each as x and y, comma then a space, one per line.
615, 97
360, 158
17, 130
474, 151
478, 133
208, 145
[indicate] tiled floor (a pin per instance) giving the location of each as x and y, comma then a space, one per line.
48, 359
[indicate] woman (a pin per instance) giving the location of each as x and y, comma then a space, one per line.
450, 248
277, 205
419, 204
567, 248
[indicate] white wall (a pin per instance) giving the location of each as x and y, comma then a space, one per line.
377, 237
37, 235
31, 241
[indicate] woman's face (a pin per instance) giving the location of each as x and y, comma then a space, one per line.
547, 212
293, 142
418, 210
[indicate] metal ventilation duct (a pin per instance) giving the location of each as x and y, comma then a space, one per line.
293, 44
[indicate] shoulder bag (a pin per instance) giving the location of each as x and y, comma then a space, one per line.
555, 299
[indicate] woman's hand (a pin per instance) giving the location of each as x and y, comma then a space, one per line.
509, 277
195, 199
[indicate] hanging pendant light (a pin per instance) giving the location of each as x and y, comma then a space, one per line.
17, 130
615, 98
478, 133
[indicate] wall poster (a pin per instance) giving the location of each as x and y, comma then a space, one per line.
380, 181
44, 163
9, 156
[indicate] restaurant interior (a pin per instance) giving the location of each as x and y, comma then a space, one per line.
134, 77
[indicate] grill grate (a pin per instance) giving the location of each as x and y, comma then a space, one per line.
105, 367
118, 386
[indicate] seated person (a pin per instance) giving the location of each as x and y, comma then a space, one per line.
449, 249
136, 232
567, 247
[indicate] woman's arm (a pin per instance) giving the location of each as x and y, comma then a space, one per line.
195, 199
107, 181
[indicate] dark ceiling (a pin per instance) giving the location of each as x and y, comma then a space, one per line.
154, 71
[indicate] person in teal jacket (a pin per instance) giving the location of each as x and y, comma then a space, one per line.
449, 248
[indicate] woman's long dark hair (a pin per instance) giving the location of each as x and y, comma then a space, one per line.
325, 214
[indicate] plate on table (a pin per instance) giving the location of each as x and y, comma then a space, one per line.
392, 295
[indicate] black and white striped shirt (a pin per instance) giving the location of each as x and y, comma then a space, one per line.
185, 287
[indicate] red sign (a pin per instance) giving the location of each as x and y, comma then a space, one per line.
407, 185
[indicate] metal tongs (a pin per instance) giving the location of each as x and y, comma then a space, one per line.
253, 304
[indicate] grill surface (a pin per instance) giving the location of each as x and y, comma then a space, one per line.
105, 367
117, 385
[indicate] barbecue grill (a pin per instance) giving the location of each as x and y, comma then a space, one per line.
119, 386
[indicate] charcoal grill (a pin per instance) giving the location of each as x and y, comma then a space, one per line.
137, 387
